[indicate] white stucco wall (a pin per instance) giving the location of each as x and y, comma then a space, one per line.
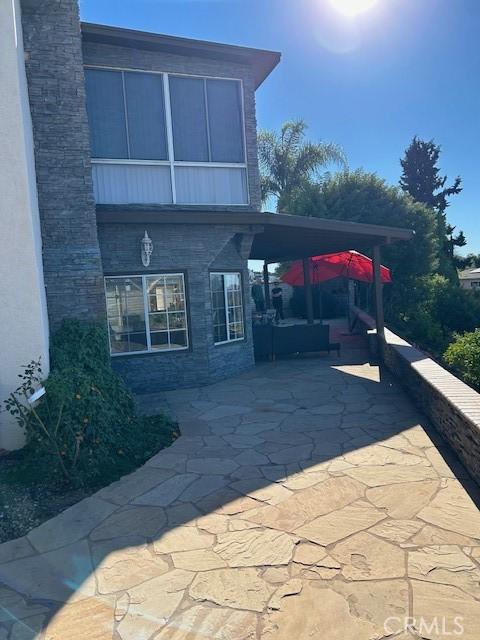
23, 316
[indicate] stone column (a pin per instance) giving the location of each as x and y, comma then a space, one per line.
56, 87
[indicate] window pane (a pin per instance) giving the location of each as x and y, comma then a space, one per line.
220, 333
126, 316
126, 313
128, 342
176, 321
146, 116
159, 340
106, 114
232, 281
216, 281
225, 120
157, 321
227, 322
219, 316
236, 331
166, 296
178, 340
189, 121
218, 299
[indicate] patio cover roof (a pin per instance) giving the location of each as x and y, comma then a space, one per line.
287, 237
278, 237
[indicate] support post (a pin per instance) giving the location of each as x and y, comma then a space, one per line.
266, 286
308, 290
377, 280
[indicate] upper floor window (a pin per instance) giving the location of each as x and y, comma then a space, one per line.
161, 138
126, 112
206, 120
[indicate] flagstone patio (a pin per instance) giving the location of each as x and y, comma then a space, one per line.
305, 499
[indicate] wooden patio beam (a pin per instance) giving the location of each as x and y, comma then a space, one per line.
308, 290
378, 291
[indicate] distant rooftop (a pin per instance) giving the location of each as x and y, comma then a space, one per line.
263, 62
469, 274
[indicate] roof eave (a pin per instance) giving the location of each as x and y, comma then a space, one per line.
262, 61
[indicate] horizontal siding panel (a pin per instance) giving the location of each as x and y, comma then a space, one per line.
131, 184
211, 185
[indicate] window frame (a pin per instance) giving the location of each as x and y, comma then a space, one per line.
228, 272
171, 162
146, 312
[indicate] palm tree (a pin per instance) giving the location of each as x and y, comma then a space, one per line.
287, 161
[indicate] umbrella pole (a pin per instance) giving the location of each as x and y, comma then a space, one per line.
308, 289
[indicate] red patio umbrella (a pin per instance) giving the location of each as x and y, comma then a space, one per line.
349, 264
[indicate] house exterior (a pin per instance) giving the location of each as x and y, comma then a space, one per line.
131, 197
172, 128
124, 124
470, 279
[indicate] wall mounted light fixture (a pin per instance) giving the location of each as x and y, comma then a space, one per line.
147, 249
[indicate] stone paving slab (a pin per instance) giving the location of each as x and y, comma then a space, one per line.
305, 499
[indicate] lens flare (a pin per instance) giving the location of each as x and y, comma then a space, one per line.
352, 7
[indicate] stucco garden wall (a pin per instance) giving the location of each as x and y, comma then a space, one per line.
23, 314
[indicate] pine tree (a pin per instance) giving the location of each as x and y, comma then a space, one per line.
422, 180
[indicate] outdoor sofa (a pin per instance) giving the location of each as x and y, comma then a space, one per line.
270, 341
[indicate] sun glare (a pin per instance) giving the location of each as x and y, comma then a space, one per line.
352, 7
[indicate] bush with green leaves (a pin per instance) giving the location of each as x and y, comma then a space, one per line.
463, 356
435, 310
86, 424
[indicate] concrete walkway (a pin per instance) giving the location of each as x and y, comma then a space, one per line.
304, 500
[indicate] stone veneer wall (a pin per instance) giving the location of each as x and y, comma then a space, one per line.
128, 58
452, 406
194, 250
56, 86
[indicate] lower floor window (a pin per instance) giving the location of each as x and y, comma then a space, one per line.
146, 313
227, 306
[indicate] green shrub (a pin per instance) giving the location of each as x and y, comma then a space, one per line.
463, 355
86, 425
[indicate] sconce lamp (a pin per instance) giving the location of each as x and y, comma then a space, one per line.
147, 249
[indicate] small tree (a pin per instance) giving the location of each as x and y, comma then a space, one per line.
287, 160
85, 427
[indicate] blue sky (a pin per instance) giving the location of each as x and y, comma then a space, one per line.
404, 67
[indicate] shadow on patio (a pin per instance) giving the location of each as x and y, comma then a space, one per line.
306, 498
